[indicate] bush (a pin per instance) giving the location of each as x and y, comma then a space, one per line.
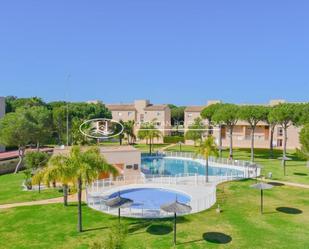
115, 239
173, 139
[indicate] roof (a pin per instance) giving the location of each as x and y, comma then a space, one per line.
122, 148
194, 108
121, 107
155, 107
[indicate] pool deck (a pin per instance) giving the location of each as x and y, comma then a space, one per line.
202, 197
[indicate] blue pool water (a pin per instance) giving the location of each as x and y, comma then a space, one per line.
172, 167
151, 198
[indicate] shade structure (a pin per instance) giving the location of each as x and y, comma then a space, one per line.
118, 202
262, 186
176, 208
284, 159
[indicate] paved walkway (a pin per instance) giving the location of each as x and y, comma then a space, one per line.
293, 184
71, 198
166, 147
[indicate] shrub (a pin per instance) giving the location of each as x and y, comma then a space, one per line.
173, 139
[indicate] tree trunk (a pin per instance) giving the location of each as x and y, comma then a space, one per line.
79, 205
39, 187
271, 143
206, 172
38, 146
231, 142
65, 194
284, 146
220, 141
21, 153
252, 143
150, 144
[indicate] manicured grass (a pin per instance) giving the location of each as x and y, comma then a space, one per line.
240, 225
145, 147
296, 170
11, 190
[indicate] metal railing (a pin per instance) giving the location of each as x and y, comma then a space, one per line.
98, 192
190, 155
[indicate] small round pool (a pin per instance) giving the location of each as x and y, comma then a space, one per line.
151, 198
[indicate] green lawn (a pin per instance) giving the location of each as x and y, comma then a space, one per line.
240, 225
11, 190
145, 147
296, 170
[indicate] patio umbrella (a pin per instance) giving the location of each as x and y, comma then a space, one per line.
262, 186
118, 202
284, 159
176, 208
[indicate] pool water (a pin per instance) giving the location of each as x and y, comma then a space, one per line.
151, 198
172, 167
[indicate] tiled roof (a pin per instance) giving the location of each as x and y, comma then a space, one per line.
194, 108
121, 107
155, 107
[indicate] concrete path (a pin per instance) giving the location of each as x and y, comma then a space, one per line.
71, 198
293, 184
166, 147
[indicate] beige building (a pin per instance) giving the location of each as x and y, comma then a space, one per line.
126, 159
241, 132
141, 111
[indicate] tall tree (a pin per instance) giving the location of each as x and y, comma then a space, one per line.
284, 115
252, 114
77, 112
304, 140
272, 122
208, 113
148, 132
206, 149
177, 115
129, 131
81, 167
41, 118
195, 131
36, 161
228, 114
13, 103
16, 130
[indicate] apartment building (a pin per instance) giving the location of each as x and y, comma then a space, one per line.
242, 131
2, 113
142, 111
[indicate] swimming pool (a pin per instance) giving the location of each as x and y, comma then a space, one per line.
173, 166
151, 198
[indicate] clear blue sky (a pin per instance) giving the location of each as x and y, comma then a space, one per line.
169, 51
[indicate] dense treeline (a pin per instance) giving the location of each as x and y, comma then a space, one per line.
227, 115
31, 121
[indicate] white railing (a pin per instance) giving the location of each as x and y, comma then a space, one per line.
225, 161
97, 196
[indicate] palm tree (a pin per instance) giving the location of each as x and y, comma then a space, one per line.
60, 170
79, 167
129, 131
149, 132
207, 148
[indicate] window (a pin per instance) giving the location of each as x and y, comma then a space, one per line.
119, 113
129, 114
158, 113
141, 118
279, 131
279, 142
158, 123
189, 115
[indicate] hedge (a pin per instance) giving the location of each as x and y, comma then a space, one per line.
173, 139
